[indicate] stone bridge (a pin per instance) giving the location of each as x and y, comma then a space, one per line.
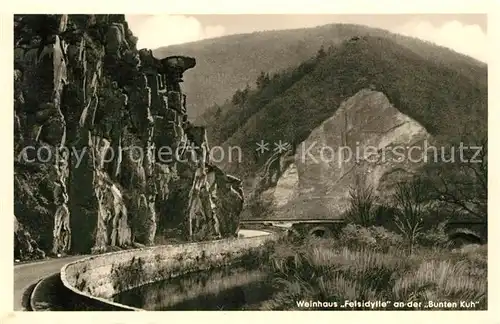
465, 231
307, 227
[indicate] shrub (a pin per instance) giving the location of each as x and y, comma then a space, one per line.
386, 239
354, 235
435, 237
374, 237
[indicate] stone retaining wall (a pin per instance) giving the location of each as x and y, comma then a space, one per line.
98, 278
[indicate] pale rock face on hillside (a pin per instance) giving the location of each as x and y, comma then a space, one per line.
367, 142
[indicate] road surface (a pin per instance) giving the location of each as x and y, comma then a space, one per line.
251, 233
28, 274
25, 275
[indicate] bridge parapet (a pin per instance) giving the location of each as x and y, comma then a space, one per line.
306, 227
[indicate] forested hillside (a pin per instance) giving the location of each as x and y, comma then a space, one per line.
228, 63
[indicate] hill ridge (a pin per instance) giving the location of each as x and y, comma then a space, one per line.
228, 63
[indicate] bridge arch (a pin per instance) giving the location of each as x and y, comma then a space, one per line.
320, 231
326, 228
461, 238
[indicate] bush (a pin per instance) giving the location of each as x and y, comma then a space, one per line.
374, 237
435, 237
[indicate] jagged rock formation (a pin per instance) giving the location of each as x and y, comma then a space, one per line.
25, 247
314, 181
93, 119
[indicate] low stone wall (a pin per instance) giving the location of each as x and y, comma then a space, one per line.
94, 280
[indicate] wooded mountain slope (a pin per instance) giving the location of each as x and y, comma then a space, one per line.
290, 104
228, 63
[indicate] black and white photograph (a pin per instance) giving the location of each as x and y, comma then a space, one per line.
250, 162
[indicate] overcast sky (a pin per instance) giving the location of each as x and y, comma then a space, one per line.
465, 33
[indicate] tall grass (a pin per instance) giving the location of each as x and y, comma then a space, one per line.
329, 271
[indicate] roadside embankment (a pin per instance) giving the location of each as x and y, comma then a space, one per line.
94, 280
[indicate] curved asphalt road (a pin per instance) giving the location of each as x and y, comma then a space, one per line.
27, 274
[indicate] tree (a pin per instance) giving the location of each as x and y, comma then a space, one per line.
411, 204
218, 111
363, 206
237, 98
241, 96
460, 180
246, 92
321, 53
263, 80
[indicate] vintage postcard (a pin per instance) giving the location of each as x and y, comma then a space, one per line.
315, 162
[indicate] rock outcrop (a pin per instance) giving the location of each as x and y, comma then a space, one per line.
93, 119
25, 247
366, 143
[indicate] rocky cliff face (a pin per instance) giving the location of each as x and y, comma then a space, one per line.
366, 143
104, 154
